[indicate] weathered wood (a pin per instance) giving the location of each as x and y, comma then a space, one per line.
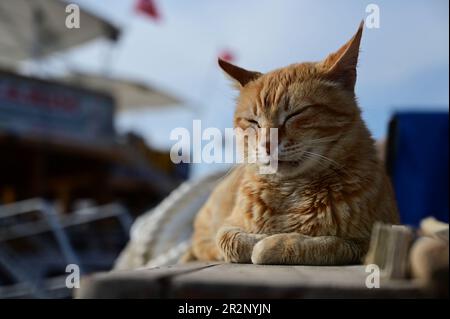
200, 280
262, 281
140, 283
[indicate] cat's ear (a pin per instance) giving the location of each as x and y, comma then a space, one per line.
240, 75
341, 65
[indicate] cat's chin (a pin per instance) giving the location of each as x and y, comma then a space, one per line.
290, 167
287, 169
290, 163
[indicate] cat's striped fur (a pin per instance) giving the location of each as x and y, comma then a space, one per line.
330, 187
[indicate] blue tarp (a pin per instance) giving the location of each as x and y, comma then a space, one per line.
418, 164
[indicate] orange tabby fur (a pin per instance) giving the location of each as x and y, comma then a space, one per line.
330, 187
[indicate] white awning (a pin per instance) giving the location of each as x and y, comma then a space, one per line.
36, 28
128, 93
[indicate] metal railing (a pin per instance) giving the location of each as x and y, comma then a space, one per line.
49, 221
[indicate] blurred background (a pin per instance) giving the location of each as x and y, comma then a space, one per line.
86, 113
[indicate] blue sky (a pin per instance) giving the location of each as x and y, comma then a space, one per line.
403, 64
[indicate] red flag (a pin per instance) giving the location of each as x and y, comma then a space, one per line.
148, 7
227, 55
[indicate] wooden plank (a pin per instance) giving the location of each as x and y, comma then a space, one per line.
203, 280
140, 283
263, 281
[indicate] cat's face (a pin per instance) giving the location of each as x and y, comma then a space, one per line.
312, 106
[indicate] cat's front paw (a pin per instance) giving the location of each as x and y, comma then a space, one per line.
237, 246
268, 251
279, 249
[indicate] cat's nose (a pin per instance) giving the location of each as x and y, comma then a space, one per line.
264, 146
269, 142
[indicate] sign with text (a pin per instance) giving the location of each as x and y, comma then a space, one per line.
37, 108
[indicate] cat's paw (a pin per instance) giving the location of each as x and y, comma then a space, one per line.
268, 251
243, 248
279, 249
237, 246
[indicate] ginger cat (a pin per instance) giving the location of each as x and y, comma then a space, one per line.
330, 187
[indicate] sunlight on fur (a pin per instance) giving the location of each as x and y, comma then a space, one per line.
330, 186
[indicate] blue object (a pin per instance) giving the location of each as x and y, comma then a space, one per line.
418, 164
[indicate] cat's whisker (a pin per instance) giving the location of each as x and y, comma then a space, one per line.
290, 153
324, 161
316, 160
323, 157
321, 160
317, 141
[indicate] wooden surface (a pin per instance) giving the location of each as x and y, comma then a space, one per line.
207, 280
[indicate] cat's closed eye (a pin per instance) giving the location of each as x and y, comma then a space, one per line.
253, 122
296, 113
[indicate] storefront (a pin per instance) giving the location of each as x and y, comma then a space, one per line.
58, 142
